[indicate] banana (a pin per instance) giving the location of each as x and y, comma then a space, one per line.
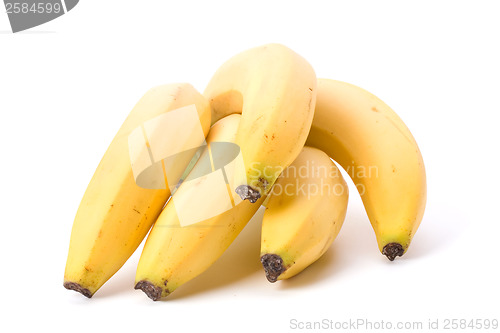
175, 253
115, 213
275, 91
306, 209
379, 153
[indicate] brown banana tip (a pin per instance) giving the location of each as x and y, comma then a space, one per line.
273, 266
152, 291
77, 287
246, 192
393, 250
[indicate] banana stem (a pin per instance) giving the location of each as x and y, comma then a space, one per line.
247, 193
152, 291
273, 266
77, 287
393, 250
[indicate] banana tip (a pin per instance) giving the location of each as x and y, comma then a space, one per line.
273, 266
247, 193
393, 250
77, 287
152, 291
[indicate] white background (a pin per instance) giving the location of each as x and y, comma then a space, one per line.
66, 86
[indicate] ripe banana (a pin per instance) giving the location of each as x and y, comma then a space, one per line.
379, 153
306, 209
275, 91
115, 213
173, 253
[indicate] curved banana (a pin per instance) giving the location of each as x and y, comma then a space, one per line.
379, 153
275, 91
115, 213
306, 209
175, 253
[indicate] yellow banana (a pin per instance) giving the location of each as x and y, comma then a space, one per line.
115, 213
379, 153
275, 91
175, 253
306, 209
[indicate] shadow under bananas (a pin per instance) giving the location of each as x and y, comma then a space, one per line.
355, 245
239, 261
441, 226
124, 280
351, 248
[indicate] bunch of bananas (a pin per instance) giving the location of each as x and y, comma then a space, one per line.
267, 130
